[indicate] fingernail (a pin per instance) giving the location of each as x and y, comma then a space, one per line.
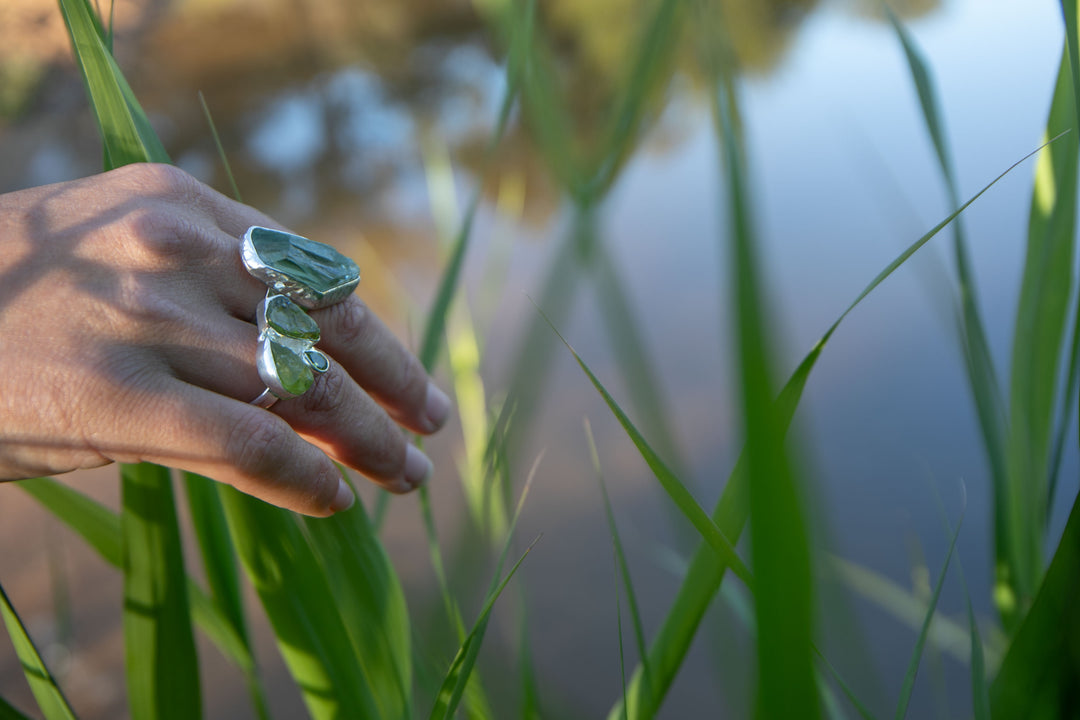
436, 406
344, 498
417, 466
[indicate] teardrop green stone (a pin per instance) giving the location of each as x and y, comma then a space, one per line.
293, 373
288, 319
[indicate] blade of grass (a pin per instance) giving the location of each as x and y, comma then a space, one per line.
222, 576
461, 668
372, 604
126, 133
783, 600
1041, 319
457, 676
863, 711
43, 685
293, 587
220, 149
706, 571
671, 484
531, 707
916, 654
100, 528
1040, 674
981, 374
159, 646
622, 567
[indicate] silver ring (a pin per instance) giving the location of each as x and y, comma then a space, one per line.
311, 274
299, 273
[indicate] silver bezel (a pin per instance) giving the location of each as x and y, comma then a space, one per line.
282, 284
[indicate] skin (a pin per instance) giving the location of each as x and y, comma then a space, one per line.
127, 335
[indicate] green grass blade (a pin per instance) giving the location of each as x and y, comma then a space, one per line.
293, 587
96, 524
622, 567
671, 484
220, 149
1040, 674
706, 571
159, 646
371, 602
1041, 320
531, 707
46, 691
223, 578
8, 711
126, 133
916, 654
779, 536
461, 668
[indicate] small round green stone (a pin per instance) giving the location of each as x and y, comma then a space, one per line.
292, 372
288, 319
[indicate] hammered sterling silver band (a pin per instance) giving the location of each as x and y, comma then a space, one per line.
299, 273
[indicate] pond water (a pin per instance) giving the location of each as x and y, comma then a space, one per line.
365, 124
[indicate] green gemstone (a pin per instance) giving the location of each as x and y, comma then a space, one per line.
317, 361
288, 319
314, 265
292, 372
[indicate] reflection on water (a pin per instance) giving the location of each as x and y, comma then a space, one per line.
336, 117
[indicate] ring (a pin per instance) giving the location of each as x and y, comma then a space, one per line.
311, 274
299, 272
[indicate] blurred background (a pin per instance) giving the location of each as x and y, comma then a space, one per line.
366, 123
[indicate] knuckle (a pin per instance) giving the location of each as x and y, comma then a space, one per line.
351, 320
162, 233
256, 447
385, 450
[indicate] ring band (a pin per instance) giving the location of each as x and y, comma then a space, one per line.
299, 273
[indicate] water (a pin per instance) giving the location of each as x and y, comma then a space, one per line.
330, 124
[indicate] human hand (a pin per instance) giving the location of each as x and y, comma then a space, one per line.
127, 334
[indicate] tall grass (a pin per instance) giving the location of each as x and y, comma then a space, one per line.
331, 596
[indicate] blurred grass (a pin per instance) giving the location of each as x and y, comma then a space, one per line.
46, 691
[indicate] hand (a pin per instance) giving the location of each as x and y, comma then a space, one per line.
127, 334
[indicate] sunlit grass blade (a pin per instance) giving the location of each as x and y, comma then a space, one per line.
222, 575
8, 711
671, 484
43, 685
293, 588
461, 668
1041, 318
1040, 673
622, 567
706, 571
159, 646
783, 599
371, 602
916, 654
126, 133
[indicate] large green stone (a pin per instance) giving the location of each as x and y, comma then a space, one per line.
288, 319
292, 372
293, 261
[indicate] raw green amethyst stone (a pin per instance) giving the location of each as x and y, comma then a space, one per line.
292, 372
311, 273
288, 319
